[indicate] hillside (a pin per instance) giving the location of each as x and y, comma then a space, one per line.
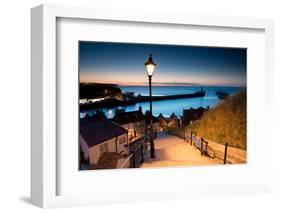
95, 90
225, 122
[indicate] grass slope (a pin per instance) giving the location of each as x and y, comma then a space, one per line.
225, 122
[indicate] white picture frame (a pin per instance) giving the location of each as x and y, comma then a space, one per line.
44, 154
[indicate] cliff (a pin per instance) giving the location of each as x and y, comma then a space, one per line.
95, 90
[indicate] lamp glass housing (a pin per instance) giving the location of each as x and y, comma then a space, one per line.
150, 69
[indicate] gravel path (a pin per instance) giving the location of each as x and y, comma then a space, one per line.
173, 151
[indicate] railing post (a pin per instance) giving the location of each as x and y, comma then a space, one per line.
225, 153
142, 157
191, 136
202, 146
134, 160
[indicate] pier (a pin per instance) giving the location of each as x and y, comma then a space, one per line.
113, 102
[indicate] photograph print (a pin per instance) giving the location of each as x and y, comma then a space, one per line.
159, 105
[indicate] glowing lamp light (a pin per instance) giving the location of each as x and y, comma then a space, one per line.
150, 65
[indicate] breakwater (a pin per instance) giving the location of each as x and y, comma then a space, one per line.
113, 102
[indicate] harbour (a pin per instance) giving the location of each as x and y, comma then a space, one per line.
162, 104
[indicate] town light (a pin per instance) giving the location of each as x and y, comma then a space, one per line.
150, 65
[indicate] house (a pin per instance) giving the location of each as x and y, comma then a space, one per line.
98, 115
103, 139
133, 122
128, 95
163, 122
173, 121
192, 114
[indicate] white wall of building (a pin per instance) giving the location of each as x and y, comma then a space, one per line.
139, 127
95, 151
84, 147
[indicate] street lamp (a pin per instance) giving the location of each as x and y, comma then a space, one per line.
150, 65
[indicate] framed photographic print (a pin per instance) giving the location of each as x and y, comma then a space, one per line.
130, 118
131, 102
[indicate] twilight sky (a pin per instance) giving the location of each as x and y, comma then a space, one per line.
123, 64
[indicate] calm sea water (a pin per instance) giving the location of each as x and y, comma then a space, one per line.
167, 107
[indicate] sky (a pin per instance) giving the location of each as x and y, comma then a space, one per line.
176, 65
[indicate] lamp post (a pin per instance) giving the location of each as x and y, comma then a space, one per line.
150, 65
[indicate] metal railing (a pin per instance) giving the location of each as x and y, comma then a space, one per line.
126, 161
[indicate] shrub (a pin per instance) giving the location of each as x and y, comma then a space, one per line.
226, 122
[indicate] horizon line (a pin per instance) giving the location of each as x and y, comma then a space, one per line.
180, 84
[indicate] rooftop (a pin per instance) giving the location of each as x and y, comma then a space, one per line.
154, 118
96, 132
128, 117
173, 117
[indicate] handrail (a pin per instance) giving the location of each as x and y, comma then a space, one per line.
121, 167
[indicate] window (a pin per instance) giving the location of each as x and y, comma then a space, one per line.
122, 140
103, 148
